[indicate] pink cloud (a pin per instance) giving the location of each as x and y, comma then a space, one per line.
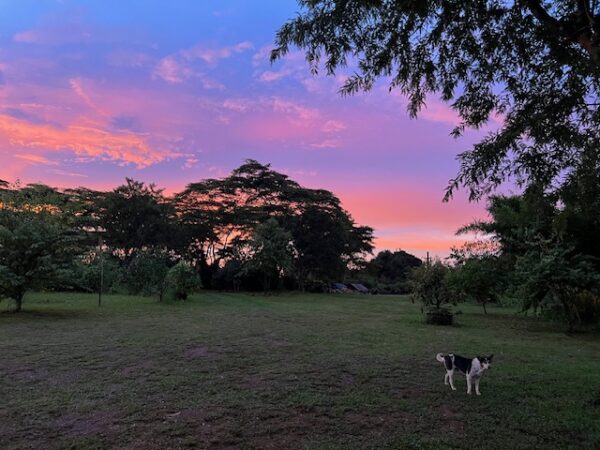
83, 141
68, 33
77, 86
212, 55
172, 71
333, 126
270, 76
327, 143
36, 159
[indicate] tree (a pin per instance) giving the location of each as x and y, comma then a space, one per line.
393, 266
326, 241
546, 248
534, 64
182, 278
37, 241
147, 272
135, 215
429, 285
479, 279
271, 251
223, 214
551, 275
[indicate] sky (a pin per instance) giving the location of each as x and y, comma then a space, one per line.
176, 91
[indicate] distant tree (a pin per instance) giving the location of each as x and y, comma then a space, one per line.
224, 213
86, 274
533, 63
271, 251
147, 272
393, 266
183, 280
135, 215
37, 241
326, 241
480, 279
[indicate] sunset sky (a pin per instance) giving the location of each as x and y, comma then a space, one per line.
173, 92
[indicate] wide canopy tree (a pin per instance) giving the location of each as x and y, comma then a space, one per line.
39, 238
532, 64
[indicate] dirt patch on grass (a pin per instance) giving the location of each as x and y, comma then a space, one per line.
202, 351
135, 369
104, 423
451, 419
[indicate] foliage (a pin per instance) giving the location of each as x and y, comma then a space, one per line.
223, 214
326, 242
271, 252
546, 247
553, 275
183, 280
135, 216
430, 286
532, 65
392, 267
479, 279
147, 272
87, 274
37, 241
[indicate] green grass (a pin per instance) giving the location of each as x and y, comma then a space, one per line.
290, 371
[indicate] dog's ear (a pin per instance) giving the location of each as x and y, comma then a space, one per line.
490, 357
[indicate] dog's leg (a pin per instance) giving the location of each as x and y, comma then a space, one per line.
468, 384
450, 378
446, 379
477, 387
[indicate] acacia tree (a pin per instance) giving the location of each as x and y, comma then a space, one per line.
222, 215
533, 63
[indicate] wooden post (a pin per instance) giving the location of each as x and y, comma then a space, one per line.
100, 245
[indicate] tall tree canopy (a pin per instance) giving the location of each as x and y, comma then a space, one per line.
225, 213
535, 64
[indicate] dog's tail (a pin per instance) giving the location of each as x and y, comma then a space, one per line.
440, 357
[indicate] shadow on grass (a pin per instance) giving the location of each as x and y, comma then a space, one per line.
52, 314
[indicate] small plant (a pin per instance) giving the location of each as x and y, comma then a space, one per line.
183, 280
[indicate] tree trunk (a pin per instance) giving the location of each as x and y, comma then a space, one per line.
484, 309
19, 302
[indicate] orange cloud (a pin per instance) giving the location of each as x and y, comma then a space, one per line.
83, 141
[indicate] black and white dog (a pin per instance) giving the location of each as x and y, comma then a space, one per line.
472, 368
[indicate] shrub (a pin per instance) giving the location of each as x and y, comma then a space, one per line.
441, 316
183, 280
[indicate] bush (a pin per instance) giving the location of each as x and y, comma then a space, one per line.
441, 316
147, 272
87, 275
183, 280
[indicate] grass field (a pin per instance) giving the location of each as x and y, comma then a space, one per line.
290, 371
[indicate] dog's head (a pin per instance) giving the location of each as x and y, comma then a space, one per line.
485, 361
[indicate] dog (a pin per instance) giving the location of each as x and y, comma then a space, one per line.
473, 368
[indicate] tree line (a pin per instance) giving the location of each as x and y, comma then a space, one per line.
254, 229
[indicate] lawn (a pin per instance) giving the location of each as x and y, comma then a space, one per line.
289, 371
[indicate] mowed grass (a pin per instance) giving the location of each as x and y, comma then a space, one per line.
288, 371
